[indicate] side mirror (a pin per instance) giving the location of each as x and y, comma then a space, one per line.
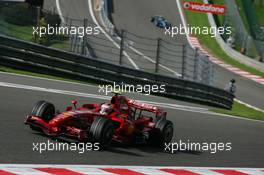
74, 102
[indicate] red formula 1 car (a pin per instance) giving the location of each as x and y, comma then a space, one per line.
122, 119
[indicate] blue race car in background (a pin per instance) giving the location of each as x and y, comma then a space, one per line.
160, 21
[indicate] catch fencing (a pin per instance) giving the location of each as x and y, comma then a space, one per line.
152, 55
33, 57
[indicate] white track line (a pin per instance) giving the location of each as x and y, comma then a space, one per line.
163, 105
103, 31
148, 58
152, 61
248, 105
94, 86
119, 166
59, 11
102, 97
107, 36
178, 2
48, 79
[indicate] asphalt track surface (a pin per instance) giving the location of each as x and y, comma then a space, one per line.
133, 16
99, 46
17, 139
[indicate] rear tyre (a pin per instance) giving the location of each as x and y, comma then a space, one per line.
102, 131
43, 110
162, 133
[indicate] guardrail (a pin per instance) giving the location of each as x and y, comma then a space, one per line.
121, 47
29, 56
163, 57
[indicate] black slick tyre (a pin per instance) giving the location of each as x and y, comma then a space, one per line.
43, 110
162, 133
102, 131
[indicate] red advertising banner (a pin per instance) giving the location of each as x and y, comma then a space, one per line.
207, 8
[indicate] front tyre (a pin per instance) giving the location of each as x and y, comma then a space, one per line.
102, 131
43, 110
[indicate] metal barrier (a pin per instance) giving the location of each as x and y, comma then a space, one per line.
156, 55
25, 55
153, 55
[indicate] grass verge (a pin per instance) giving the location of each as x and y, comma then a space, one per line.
259, 9
242, 110
19, 32
237, 110
211, 44
22, 72
243, 14
26, 33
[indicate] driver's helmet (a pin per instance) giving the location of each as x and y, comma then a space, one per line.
105, 109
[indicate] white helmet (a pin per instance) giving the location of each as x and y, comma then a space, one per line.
105, 108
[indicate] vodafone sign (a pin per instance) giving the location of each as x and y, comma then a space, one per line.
207, 8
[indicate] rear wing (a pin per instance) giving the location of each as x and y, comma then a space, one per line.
145, 106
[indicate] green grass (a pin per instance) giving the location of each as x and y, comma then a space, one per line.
221, 18
237, 110
220, 21
26, 33
242, 110
22, 72
20, 32
61, 45
259, 9
200, 20
243, 14
254, 52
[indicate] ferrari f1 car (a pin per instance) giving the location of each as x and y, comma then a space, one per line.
160, 21
122, 119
